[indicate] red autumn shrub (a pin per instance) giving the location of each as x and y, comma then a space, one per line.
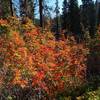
35, 59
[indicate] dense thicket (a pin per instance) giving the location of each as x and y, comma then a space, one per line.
37, 64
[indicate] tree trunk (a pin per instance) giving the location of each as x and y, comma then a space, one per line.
41, 12
11, 8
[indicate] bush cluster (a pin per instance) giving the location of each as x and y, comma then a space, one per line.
35, 61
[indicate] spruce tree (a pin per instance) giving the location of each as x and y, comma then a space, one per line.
74, 17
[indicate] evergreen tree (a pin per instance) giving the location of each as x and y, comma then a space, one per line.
22, 8
97, 12
98, 15
57, 35
27, 8
88, 16
30, 9
65, 15
57, 15
74, 17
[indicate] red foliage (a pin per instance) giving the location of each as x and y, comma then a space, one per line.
39, 60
